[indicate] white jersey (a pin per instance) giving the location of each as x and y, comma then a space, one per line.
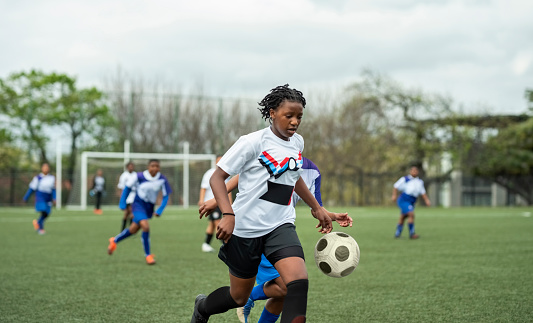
99, 184
43, 183
312, 179
205, 184
268, 169
122, 184
409, 185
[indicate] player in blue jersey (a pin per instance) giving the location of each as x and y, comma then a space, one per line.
411, 187
147, 185
269, 283
44, 187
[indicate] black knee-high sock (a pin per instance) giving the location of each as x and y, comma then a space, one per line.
218, 301
124, 224
295, 304
208, 238
44, 215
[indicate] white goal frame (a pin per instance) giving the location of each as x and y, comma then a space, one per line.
127, 156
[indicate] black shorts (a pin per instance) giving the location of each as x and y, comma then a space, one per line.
243, 255
215, 215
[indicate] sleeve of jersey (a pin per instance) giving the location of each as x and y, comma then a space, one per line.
422, 188
205, 181
122, 204
166, 194
120, 184
399, 182
318, 194
237, 156
28, 194
54, 194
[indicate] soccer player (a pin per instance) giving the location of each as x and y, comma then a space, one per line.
44, 186
269, 284
261, 220
98, 190
128, 173
214, 217
147, 184
411, 187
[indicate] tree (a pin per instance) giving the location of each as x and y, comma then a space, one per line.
507, 158
27, 98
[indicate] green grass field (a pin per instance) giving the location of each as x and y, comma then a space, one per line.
470, 265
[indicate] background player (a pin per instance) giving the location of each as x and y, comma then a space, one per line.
261, 220
411, 187
148, 184
44, 186
128, 173
98, 190
214, 217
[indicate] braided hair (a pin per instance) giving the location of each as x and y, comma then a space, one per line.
276, 97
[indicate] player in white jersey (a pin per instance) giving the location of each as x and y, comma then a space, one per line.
148, 185
214, 217
44, 186
98, 190
411, 187
261, 220
269, 283
128, 174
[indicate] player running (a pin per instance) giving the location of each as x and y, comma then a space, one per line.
44, 186
128, 173
147, 184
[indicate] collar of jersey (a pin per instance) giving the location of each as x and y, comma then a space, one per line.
149, 177
286, 142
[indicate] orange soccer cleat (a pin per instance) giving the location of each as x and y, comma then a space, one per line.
150, 260
35, 225
112, 246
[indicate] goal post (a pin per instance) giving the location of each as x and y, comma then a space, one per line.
183, 161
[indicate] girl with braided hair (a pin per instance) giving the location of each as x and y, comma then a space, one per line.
261, 220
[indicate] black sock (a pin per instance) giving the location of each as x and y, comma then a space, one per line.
124, 224
218, 301
295, 304
44, 214
208, 238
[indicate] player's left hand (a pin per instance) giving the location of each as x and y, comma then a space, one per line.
157, 215
207, 207
343, 219
324, 221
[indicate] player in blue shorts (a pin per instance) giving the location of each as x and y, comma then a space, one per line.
44, 186
269, 284
147, 184
411, 187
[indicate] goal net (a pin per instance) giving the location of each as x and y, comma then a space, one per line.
183, 171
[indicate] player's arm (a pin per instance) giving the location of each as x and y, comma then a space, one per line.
208, 206
28, 194
202, 196
218, 185
163, 205
343, 219
394, 194
426, 199
324, 221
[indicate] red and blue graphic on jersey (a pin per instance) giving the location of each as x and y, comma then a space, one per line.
277, 169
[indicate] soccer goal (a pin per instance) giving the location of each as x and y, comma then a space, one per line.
183, 171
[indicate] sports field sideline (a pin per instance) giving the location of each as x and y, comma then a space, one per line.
470, 265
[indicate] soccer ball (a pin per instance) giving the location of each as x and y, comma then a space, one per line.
337, 254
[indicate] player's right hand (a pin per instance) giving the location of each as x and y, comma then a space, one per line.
207, 207
225, 227
324, 221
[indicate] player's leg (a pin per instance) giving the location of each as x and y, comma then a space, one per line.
125, 217
411, 225
145, 239
134, 227
399, 226
242, 256
272, 310
44, 209
284, 251
209, 231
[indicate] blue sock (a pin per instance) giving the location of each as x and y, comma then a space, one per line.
145, 238
258, 293
123, 235
41, 222
411, 228
399, 229
267, 317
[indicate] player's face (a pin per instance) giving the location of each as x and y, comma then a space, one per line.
130, 168
414, 171
286, 119
45, 169
153, 168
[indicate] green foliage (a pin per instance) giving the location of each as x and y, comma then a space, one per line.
471, 265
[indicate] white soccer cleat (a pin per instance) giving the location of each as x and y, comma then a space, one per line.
207, 248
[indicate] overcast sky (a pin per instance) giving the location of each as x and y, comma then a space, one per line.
479, 52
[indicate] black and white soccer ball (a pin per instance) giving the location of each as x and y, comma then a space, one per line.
337, 254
